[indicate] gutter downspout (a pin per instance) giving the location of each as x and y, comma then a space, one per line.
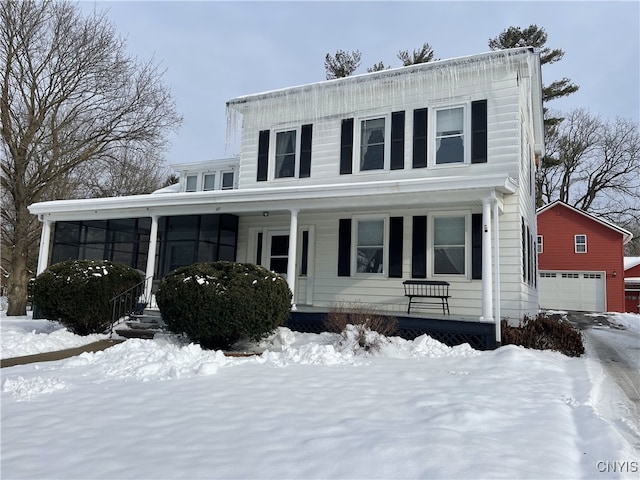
496, 259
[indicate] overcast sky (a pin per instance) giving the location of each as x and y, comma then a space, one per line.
214, 51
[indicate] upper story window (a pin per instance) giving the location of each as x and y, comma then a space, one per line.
284, 153
580, 243
540, 244
444, 135
209, 181
218, 180
372, 144
191, 184
227, 181
449, 139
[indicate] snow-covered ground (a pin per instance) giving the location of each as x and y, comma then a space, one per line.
310, 406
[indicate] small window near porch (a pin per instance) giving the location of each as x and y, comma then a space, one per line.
580, 243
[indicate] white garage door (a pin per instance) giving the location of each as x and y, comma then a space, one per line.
583, 291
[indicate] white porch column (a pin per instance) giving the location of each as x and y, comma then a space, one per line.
293, 249
496, 271
43, 254
487, 293
151, 258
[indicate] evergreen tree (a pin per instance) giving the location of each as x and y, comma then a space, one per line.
422, 55
534, 36
342, 64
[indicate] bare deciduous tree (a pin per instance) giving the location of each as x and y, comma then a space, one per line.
593, 165
69, 97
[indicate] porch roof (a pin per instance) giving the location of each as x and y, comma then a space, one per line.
452, 190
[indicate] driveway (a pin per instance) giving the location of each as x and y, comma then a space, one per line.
618, 350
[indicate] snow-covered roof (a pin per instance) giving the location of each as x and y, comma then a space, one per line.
626, 235
387, 73
206, 164
630, 262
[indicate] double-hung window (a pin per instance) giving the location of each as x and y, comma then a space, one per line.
450, 138
372, 144
580, 243
370, 245
449, 245
540, 244
285, 156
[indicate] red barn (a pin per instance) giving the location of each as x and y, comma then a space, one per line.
632, 284
580, 260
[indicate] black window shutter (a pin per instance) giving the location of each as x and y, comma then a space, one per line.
476, 246
397, 140
524, 252
420, 138
346, 146
395, 246
304, 261
344, 247
259, 249
305, 150
479, 131
419, 247
263, 155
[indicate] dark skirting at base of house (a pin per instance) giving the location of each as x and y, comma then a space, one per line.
479, 335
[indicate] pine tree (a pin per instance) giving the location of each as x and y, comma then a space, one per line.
342, 64
534, 36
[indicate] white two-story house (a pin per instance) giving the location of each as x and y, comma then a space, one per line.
350, 186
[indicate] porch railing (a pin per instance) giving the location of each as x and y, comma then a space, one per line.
132, 301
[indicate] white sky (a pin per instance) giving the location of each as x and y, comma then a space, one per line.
214, 51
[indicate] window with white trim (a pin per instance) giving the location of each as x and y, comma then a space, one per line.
580, 243
209, 181
227, 181
449, 136
370, 245
285, 153
540, 244
449, 245
191, 184
372, 144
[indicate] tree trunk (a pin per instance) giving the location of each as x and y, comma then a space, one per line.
18, 280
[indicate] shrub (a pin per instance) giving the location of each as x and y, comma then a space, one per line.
544, 333
364, 320
77, 293
217, 304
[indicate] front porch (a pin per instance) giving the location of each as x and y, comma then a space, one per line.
448, 329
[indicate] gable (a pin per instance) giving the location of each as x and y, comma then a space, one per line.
559, 215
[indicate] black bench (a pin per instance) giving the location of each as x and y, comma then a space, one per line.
427, 292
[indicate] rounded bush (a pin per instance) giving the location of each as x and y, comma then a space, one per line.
77, 293
217, 304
